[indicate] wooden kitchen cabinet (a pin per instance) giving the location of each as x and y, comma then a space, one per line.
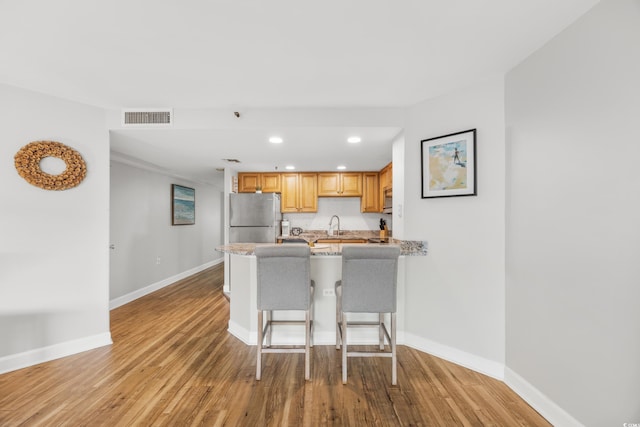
333, 241
340, 184
247, 182
270, 182
386, 177
386, 183
370, 202
299, 192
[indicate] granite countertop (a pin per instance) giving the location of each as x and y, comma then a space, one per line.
407, 247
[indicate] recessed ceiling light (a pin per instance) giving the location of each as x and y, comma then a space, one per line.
275, 140
290, 167
341, 167
354, 139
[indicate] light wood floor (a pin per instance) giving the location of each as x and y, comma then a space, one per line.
174, 364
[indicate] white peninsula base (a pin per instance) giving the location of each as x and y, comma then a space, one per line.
325, 271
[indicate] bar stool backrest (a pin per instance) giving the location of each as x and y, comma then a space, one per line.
369, 279
283, 277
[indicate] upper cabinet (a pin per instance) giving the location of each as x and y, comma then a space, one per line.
386, 177
268, 182
299, 192
370, 202
336, 184
247, 182
386, 183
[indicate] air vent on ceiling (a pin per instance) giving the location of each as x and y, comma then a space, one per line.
147, 117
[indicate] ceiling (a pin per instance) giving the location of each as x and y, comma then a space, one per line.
256, 54
197, 153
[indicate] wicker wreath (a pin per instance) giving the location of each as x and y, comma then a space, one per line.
27, 162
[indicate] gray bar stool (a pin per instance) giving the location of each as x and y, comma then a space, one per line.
368, 285
284, 283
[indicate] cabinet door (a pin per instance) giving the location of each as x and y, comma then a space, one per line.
308, 195
389, 182
351, 184
386, 181
289, 196
386, 176
336, 184
328, 184
270, 182
370, 201
247, 182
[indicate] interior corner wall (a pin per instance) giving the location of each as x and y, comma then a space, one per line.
398, 186
573, 240
54, 254
147, 248
455, 295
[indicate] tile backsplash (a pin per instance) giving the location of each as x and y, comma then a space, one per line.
347, 208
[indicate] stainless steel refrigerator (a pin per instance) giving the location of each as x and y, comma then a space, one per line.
254, 217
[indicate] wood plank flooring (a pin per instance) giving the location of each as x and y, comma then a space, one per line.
174, 364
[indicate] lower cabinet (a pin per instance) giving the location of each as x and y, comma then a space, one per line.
342, 241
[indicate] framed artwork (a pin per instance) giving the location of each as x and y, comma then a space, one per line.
183, 205
449, 165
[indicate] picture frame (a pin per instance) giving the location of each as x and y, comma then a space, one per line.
448, 165
183, 205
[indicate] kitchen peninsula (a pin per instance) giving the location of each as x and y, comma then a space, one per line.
326, 269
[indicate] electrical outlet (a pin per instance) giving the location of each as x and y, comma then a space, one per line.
158, 260
328, 293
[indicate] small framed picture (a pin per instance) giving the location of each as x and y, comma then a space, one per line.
449, 165
183, 205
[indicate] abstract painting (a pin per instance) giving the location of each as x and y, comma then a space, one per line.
449, 165
183, 205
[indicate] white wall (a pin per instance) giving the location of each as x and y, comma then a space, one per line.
398, 147
573, 240
455, 295
53, 244
141, 229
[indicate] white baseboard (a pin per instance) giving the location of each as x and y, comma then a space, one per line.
56, 351
459, 357
239, 332
132, 296
539, 401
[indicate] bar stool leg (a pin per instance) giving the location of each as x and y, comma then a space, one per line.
311, 317
343, 318
307, 341
338, 320
394, 359
259, 360
381, 331
269, 318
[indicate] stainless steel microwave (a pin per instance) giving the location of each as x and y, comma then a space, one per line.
388, 201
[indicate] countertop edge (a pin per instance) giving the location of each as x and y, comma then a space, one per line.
407, 247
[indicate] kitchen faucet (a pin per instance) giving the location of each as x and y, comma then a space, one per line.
331, 223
